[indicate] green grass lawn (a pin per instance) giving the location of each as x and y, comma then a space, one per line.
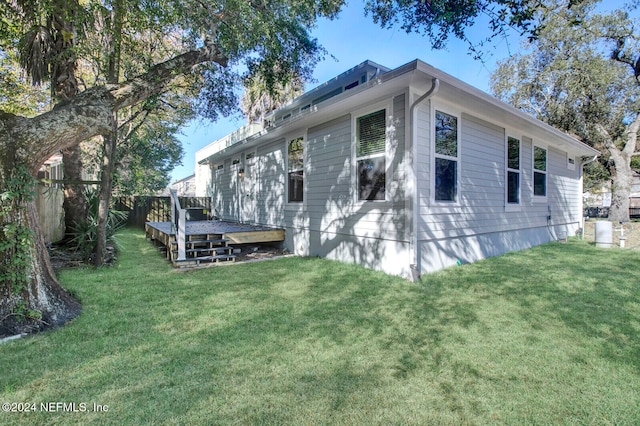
545, 336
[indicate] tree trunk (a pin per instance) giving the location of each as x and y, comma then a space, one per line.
32, 298
28, 287
621, 187
110, 139
106, 183
623, 174
64, 87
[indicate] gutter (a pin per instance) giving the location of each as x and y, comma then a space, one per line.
415, 266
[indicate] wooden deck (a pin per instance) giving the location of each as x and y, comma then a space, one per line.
207, 241
235, 233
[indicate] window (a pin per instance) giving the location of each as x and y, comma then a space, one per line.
513, 170
446, 157
352, 85
370, 156
295, 155
539, 172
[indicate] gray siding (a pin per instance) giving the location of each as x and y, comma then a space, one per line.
225, 192
481, 225
330, 222
270, 185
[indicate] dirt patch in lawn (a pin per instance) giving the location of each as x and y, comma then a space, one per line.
631, 232
251, 252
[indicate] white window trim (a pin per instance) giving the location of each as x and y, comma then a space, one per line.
295, 205
450, 110
507, 205
387, 105
571, 166
539, 198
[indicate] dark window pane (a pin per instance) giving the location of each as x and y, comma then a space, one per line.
296, 164
513, 153
446, 134
540, 159
371, 133
371, 179
539, 184
446, 179
513, 187
296, 181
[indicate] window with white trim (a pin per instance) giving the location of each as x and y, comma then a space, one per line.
370, 156
447, 157
539, 171
513, 171
295, 156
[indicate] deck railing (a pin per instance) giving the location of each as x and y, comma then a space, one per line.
178, 225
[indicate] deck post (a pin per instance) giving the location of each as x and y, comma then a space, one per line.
172, 200
179, 220
182, 226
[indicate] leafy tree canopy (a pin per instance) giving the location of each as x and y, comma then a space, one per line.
438, 20
581, 76
201, 47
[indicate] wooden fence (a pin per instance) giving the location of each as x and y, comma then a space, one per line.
603, 212
49, 199
155, 209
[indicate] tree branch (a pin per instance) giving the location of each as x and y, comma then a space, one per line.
90, 113
632, 136
137, 89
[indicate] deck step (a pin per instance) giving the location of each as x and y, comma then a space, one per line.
204, 250
192, 242
197, 260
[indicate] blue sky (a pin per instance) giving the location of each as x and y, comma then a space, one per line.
350, 40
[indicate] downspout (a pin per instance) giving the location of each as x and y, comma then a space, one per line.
415, 266
582, 221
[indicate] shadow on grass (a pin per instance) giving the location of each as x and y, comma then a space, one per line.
312, 341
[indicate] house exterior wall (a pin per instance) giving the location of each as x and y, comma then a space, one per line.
481, 224
248, 178
270, 179
330, 222
202, 180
